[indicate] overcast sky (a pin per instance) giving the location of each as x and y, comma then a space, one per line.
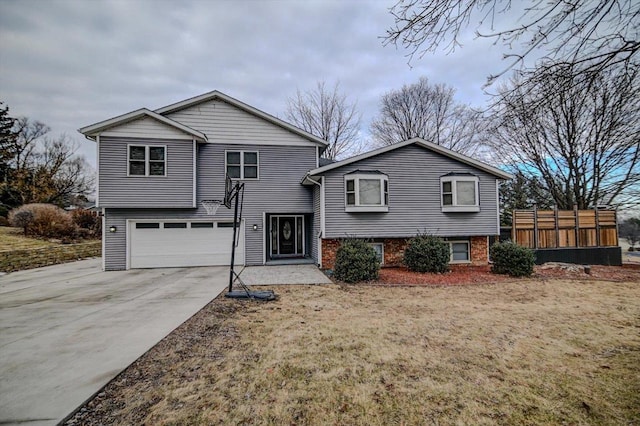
73, 63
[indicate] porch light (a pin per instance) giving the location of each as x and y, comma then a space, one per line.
112, 229
255, 227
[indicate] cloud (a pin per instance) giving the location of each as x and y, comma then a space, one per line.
73, 63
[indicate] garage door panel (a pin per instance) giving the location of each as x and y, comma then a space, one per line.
152, 247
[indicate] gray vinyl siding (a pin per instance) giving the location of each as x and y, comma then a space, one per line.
116, 189
115, 244
277, 191
146, 128
414, 198
224, 123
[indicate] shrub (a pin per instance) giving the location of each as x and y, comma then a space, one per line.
426, 253
48, 221
89, 222
21, 218
512, 259
356, 261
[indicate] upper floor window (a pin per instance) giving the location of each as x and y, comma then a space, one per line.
242, 164
147, 160
366, 192
459, 193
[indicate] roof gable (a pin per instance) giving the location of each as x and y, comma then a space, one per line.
216, 95
418, 142
94, 130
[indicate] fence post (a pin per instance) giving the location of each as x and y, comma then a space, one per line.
535, 226
555, 218
597, 227
575, 212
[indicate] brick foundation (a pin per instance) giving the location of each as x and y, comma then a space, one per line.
394, 251
479, 250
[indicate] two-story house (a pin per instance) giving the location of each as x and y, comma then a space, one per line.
156, 167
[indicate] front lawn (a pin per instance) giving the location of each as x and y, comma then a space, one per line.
516, 352
13, 239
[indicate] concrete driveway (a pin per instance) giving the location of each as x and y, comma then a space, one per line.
66, 330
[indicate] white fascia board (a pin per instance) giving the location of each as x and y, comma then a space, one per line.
95, 129
195, 172
310, 180
245, 107
98, 171
425, 144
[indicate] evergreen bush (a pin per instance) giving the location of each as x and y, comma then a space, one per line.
426, 253
356, 261
512, 259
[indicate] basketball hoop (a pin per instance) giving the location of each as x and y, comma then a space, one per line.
211, 206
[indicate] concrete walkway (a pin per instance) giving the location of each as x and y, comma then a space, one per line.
66, 330
283, 274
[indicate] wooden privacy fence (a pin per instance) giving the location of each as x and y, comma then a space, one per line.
540, 229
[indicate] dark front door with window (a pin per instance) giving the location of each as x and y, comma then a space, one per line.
287, 236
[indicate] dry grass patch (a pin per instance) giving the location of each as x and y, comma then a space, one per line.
14, 239
524, 352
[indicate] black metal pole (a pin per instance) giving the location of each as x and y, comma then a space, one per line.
233, 242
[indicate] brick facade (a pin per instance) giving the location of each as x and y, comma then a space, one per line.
394, 251
479, 250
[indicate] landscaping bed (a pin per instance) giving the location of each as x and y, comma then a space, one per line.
465, 275
512, 351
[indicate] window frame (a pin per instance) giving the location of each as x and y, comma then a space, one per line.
242, 164
454, 206
451, 243
375, 243
357, 206
147, 159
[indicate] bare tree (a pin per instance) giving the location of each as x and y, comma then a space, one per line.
329, 115
428, 112
579, 138
594, 34
41, 169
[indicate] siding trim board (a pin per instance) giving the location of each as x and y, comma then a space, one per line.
195, 173
98, 179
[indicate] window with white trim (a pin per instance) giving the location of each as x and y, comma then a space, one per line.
242, 164
459, 193
459, 251
366, 192
147, 160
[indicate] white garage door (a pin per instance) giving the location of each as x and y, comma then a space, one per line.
157, 244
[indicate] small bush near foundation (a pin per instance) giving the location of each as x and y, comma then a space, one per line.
43, 220
426, 253
512, 259
356, 261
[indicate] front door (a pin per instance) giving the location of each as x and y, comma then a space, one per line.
287, 236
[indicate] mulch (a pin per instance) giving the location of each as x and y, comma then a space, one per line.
468, 275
